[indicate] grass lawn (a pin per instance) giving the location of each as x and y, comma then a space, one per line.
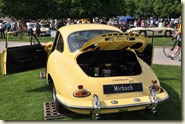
26, 39
22, 97
160, 41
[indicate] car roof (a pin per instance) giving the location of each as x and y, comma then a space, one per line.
67, 30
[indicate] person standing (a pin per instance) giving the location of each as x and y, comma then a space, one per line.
135, 23
2, 29
69, 21
110, 22
14, 27
7, 26
37, 29
60, 23
20, 29
151, 21
56, 24
160, 24
29, 29
143, 23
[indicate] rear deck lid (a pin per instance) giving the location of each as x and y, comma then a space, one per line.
116, 41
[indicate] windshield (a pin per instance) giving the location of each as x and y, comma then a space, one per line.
78, 39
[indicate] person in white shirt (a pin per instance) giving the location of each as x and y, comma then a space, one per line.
69, 21
160, 24
30, 26
2, 29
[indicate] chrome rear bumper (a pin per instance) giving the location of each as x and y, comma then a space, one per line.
95, 114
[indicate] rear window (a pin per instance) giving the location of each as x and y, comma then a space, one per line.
78, 39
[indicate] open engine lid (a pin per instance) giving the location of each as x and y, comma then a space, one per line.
116, 41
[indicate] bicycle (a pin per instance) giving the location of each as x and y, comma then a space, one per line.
170, 47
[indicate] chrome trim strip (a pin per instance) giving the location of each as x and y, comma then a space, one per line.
108, 107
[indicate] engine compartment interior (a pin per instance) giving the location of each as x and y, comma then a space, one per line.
109, 63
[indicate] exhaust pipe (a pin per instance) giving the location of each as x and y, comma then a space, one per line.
95, 114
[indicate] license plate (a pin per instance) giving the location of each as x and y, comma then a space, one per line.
122, 88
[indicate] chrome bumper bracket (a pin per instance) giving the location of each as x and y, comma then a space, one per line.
95, 115
154, 101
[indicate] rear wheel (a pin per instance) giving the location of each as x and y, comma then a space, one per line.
168, 33
142, 33
59, 108
169, 49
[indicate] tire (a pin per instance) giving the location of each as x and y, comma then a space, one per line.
142, 33
168, 49
58, 107
168, 33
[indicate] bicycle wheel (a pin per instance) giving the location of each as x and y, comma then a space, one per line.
169, 49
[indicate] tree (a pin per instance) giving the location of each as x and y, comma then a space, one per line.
167, 8
37, 9
33, 9
130, 6
112, 8
90, 8
144, 8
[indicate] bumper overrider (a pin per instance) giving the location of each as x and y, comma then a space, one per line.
139, 103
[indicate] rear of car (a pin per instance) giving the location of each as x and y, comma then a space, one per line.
97, 71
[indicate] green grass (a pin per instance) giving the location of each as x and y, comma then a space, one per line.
160, 41
22, 97
26, 39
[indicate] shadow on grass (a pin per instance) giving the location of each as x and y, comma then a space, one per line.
170, 79
45, 88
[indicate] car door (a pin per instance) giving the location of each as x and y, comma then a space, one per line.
23, 58
147, 54
158, 31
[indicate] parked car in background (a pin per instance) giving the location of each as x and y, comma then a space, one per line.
45, 31
158, 31
94, 69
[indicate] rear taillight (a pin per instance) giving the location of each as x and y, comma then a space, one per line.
156, 88
81, 93
80, 87
154, 81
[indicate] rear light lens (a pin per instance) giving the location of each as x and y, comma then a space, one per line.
80, 87
156, 88
154, 81
81, 93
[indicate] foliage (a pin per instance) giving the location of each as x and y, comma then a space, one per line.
79, 8
27, 9
144, 8
34, 9
167, 8
130, 6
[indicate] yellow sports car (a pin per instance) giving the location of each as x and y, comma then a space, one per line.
94, 69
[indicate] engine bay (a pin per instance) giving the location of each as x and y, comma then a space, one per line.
109, 63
